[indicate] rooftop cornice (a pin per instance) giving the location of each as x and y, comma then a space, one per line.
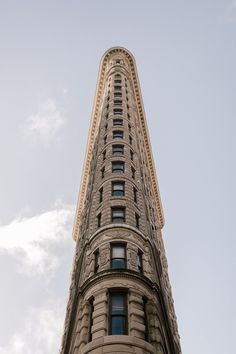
93, 130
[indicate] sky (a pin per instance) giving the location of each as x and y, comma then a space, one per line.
50, 52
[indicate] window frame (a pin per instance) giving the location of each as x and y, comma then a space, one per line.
113, 191
112, 247
118, 134
118, 122
140, 261
117, 149
96, 260
118, 219
120, 170
99, 220
124, 315
118, 111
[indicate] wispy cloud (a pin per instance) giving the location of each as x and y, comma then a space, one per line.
40, 332
46, 123
32, 240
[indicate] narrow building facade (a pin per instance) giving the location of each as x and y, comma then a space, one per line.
120, 297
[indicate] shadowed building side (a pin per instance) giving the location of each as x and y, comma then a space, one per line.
120, 297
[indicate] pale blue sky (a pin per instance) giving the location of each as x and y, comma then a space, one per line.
50, 52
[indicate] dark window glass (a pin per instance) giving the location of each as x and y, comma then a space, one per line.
130, 140
129, 126
117, 88
118, 313
128, 116
100, 194
118, 166
117, 102
102, 172
118, 215
118, 134
118, 81
135, 194
137, 217
91, 310
104, 155
117, 76
105, 139
118, 256
96, 261
118, 189
140, 261
131, 155
117, 61
118, 150
99, 217
107, 116
117, 121
118, 111
133, 172
117, 94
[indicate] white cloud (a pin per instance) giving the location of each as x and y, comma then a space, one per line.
40, 333
46, 123
32, 240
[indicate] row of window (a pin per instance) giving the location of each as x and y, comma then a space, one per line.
118, 313
118, 190
118, 257
118, 216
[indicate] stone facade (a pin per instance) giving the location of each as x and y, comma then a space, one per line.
120, 297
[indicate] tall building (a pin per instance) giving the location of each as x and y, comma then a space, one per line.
120, 297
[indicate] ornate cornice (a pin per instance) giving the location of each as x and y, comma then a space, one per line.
94, 125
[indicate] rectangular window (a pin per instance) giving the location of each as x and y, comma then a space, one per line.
104, 155
129, 126
130, 139
117, 102
100, 194
99, 218
117, 94
137, 217
102, 172
118, 189
118, 134
117, 88
118, 312
132, 172
117, 76
91, 310
135, 194
105, 139
140, 261
118, 215
118, 166
145, 300
131, 155
128, 116
118, 150
117, 121
118, 111
118, 81
96, 260
118, 255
